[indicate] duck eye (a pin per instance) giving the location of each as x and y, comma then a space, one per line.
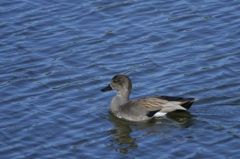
115, 80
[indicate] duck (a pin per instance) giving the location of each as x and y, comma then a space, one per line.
145, 108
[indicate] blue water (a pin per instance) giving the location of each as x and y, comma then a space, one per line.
55, 56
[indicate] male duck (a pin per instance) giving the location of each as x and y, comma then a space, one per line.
144, 108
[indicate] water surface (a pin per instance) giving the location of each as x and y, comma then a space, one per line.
55, 56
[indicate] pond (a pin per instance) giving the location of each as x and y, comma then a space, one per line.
55, 56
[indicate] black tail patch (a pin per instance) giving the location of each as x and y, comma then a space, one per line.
187, 104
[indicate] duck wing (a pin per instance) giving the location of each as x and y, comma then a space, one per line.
163, 104
184, 102
148, 107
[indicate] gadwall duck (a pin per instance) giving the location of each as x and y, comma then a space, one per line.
144, 108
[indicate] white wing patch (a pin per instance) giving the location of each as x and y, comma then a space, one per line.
159, 114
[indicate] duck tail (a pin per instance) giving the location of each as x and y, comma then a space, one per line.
187, 103
184, 102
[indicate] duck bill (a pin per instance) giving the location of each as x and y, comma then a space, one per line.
107, 88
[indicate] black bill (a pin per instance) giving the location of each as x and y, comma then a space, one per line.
107, 88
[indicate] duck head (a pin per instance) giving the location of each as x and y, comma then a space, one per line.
120, 83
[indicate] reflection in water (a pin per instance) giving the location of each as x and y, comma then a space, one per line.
182, 117
124, 142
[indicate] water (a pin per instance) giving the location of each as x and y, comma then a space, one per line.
55, 56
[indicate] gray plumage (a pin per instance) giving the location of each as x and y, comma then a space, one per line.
144, 108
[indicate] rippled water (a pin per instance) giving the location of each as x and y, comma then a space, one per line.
55, 56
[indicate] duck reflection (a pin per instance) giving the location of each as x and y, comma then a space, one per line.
122, 139
183, 118
124, 142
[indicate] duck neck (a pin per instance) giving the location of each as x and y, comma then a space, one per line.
121, 98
